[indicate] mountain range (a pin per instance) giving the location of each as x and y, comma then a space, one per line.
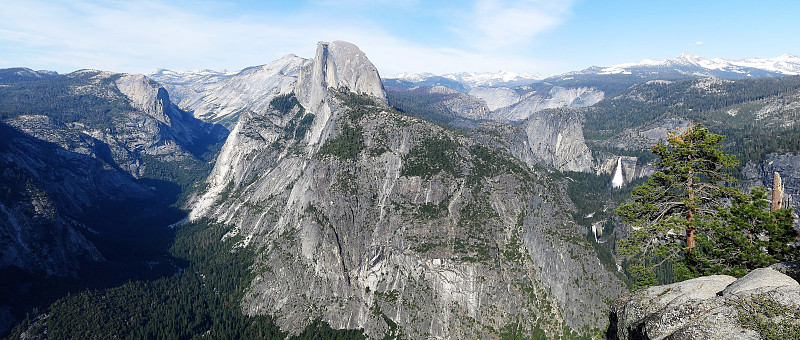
687, 64
458, 206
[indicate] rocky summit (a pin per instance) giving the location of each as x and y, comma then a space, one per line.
367, 218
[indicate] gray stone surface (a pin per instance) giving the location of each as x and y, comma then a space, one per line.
496, 97
556, 98
555, 139
762, 277
701, 308
220, 97
789, 168
348, 241
54, 171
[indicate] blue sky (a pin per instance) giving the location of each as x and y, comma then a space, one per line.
540, 36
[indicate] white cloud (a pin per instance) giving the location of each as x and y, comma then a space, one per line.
698, 43
144, 35
498, 23
126, 36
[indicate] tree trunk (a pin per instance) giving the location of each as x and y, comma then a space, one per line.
690, 231
777, 192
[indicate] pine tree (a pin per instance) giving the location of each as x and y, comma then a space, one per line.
746, 236
687, 188
687, 218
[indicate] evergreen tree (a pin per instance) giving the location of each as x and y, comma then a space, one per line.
746, 236
666, 212
687, 219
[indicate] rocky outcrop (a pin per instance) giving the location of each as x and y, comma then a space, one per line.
496, 97
177, 129
555, 138
631, 169
709, 307
135, 118
449, 104
368, 218
458, 104
556, 98
44, 190
338, 65
645, 136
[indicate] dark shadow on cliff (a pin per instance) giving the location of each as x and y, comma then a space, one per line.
126, 219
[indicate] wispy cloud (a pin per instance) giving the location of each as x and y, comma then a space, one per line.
698, 42
499, 23
141, 36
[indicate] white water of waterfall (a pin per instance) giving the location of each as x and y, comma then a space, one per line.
617, 181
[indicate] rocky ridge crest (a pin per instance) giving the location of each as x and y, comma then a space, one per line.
367, 218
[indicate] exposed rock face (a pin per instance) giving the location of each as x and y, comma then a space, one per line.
144, 121
337, 65
645, 136
220, 97
367, 218
556, 98
461, 105
631, 167
452, 103
555, 138
496, 97
703, 308
175, 130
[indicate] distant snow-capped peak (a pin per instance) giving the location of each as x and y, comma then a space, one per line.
786, 64
410, 76
473, 79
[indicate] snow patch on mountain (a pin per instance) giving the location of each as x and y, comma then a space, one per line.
786, 64
475, 79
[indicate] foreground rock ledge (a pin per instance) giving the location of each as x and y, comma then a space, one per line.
701, 308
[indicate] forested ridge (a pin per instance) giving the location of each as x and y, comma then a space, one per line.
755, 114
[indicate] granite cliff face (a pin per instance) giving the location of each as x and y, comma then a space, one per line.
337, 65
44, 189
630, 167
367, 218
529, 103
220, 97
555, 138
439, 103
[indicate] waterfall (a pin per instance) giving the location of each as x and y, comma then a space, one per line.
618, 180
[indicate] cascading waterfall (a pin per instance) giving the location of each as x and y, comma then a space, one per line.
618, 180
